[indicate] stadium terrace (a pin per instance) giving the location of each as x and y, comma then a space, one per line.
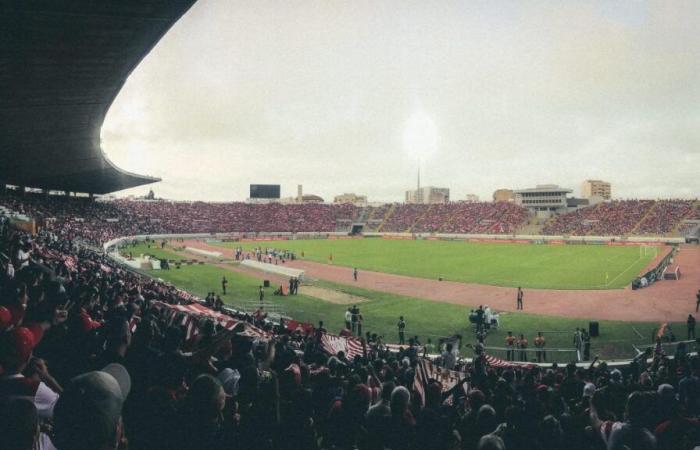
156, 324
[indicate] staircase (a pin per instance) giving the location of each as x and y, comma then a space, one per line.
641, 221
532, 226
448, 221
427, 211
386, 216
362, 216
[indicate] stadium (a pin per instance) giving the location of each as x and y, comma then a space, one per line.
537, 320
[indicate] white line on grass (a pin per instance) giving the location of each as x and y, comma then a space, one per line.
623, 272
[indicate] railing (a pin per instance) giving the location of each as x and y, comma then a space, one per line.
550, 355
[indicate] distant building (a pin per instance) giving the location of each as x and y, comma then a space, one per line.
503, 195
544, 199
428, 195
596, 188
472, 198
357, 200
311, 198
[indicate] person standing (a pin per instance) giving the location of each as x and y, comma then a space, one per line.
539, 345
348, 319
520, 298
354, 273
402, 329
697, 303
480, 317
224, 283
586, 338
691, 326
360, 319
291, 285
510, 346
522, 345
353, 317
578, 343
261, 294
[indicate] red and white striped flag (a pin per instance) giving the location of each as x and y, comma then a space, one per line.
499, 363
194, 310
426, 370
333, 344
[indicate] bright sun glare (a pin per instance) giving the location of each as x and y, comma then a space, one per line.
420, 136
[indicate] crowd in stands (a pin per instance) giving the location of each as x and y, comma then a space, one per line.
204, 217
665, 216
623, 217
89, 361
460, 217
100, 221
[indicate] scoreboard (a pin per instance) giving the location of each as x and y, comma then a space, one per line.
264, 191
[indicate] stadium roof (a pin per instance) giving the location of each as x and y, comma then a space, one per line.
544, 189
62, 63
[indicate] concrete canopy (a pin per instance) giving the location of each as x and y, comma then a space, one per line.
62, 63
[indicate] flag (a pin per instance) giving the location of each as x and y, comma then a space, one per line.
427, 370
496, 362
195, 310
332, 344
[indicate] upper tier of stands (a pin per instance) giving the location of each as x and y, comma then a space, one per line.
625, 217
100, 221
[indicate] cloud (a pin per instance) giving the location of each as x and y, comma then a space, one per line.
318, 93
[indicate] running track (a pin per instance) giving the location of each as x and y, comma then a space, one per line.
665, 301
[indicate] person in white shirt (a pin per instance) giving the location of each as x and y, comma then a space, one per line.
10, 270
23, 258
449, 358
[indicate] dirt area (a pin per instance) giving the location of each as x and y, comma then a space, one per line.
331, 295
664, 301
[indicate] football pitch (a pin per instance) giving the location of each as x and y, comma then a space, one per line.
527, 265
426, 319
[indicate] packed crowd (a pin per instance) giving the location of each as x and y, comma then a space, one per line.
461, 217
204, 217
89, 360
665, 216
623, 217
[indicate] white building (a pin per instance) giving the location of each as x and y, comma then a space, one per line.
544, 199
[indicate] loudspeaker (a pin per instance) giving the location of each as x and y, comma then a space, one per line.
593, 329
266, 283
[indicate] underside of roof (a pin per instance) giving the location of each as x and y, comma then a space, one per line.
62, 63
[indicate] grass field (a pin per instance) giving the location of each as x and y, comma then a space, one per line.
531, 266
425, 318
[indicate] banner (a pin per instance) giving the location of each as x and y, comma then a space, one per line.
448, 379
351, 346
193, 312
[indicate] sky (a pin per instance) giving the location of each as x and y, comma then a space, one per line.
349, 96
